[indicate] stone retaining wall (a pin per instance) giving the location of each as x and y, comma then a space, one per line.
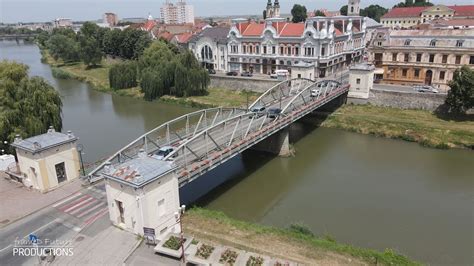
403, 100
241, 83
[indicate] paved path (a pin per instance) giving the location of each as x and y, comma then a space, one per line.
17, 201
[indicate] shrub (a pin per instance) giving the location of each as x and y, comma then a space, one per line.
61, 74
302, 229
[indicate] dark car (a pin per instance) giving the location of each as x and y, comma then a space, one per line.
211, 71
246, 74
232, 73
257, 111
273, 113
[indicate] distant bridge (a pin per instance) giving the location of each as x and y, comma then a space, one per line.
207, 138
17, 36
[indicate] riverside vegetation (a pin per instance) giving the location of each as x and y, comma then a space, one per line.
296, 243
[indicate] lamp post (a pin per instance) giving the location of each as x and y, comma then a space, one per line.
80, 148
179, 218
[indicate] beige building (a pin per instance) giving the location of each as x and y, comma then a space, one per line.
406, 17
62, 23
47, 161
179, 13
138, 199
411, 57
111, 19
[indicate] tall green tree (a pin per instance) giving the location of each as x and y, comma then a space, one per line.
299, 13
28, 106
343, 10
123, 75
90, 37
410, 3
63, 47
461, 96
319, 13
373, 11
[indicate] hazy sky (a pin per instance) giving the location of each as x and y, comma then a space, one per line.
47, 10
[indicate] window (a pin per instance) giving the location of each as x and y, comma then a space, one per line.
282, 51
297, 51
445, 59
358, 81
471, 60
432, 56
433, 43
404, 72
458, 59
418, 57
441, 75
257, 49
61, 172
407, 57
323, 51
273, 50
161, 207
459, 43
394, 57
407, 42
379, 43
417, 73
264, 49
244, 49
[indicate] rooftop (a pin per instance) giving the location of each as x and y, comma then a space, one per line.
404, 12
218, 34
363, 66
44, 141
139, 171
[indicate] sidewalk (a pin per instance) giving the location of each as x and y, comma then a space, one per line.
108, 247
17, 201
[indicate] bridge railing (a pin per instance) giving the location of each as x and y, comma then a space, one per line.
171, 133
280, 91
315, 91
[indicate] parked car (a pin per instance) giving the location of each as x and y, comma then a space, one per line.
163, 152
273, 76
273, 112
425, 88
211, 71
232, 73
315, 92
246, 74
257, 111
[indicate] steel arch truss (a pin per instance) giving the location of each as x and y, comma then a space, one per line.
171, 133
282, 90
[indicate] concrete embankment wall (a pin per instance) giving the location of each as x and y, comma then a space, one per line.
403, 100
241, 83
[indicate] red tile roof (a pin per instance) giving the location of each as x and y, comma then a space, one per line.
148, 26
165, 36
403, 12
184, 37
292, 30
253, 29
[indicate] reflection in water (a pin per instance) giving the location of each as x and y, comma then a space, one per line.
362, 190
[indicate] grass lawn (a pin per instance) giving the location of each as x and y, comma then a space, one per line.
293, 244
412, 125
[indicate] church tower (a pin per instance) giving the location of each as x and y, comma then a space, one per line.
353, 8
269, 9
276, 9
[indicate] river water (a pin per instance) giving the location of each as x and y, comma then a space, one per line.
361, 190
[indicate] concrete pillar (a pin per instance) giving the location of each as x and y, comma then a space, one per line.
278, 143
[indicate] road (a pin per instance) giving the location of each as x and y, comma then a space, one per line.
60, 221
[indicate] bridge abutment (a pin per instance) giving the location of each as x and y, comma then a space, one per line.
278, 143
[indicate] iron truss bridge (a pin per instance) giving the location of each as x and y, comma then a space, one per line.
205, 139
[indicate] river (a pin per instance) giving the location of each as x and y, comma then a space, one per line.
366, 191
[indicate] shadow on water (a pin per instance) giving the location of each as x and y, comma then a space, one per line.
222, 179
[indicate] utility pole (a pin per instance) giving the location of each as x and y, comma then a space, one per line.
179, 219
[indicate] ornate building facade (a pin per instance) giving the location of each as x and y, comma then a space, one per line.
415, 57
327, 44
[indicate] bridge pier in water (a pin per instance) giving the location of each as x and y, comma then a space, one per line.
278, 143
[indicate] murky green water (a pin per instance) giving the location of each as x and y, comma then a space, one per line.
362, 190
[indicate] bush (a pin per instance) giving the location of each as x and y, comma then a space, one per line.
61, 74
302, 229
123, 76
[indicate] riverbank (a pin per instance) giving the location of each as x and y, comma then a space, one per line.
297, 244
98, 79
418, 126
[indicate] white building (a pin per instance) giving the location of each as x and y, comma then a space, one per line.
138, 199
47, 161
179, 13
62, 23
210, 48
361, 80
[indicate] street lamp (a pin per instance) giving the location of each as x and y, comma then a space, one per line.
80, 148
179, 218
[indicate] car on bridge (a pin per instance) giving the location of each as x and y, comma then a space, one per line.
232, 73
163, 152
257, 111
315, 92
425, 88
273, 113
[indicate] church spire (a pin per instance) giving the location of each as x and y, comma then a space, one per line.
277, 3
269, 3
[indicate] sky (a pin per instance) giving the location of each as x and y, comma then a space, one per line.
12, 11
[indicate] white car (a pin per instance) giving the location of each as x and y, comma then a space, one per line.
425, 88
315, 92
163, 152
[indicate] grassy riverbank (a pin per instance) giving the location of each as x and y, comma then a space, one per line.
98, 78
297, 244
411, 125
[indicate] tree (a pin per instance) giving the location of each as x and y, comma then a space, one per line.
90, 39
299, 13
410, 3
264, 14
343, 10
123, 75
461, 96
319, 13
373, 11
63, 47
28, 106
